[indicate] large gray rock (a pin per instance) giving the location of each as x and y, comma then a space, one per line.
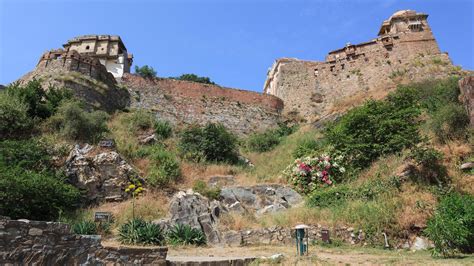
259, 199
103, 173
196, 211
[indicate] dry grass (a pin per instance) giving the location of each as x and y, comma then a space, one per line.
344, 104
417, 206
150, 206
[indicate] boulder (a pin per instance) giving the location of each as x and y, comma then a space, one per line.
196, 211
104, 174
467, 166
259, 199
421, 243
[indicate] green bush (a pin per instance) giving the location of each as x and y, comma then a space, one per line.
85, 228
452, 226
163, 129
145, 71
194, 78
139, 119
376, 128
267, 140
202, 188
181, 234
75, 123
138, 231
41, 103
212, 143
29, 187
14, 119
164, 167
307, 147
35, 195
450, 122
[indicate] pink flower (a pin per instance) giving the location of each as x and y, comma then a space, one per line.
325, 173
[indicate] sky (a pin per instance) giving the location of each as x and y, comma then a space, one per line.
233, 42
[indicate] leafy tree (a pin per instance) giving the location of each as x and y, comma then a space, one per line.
195, 78
145, 71
211, 143
14, 119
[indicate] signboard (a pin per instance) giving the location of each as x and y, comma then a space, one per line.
102, 217
325, 236
107, 143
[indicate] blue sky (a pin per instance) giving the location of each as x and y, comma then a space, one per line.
232, 42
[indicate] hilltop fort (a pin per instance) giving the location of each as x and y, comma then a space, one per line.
404, 51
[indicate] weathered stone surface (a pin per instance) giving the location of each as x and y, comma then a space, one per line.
185, 102
467, 166
196, 211
103, 173
85, 76
26, 242
221, 180
260, 198
316, 90
466, 85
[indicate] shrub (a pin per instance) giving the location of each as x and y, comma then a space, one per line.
181, 234
164, 167
202, 188
74, 122
310, 173
35, 195
450, 122
145, 71
29, 188
212, 143
139, 119
163, 129
14, 119
41, 103
266, 141
85, 228
452, 226
138, 231
376, 128
195, 78
307, 147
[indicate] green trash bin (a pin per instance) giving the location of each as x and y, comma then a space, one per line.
301, 233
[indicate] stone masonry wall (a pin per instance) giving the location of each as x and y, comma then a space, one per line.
184, 102
314, 90
24, 242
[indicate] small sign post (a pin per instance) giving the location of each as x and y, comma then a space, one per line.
103, 217
325, 236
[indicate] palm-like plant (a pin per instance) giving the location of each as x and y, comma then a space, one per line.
183, 234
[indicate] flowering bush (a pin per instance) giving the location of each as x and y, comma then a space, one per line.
309, 173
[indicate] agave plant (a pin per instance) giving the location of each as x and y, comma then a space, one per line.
85, 228
138, 231
183, 234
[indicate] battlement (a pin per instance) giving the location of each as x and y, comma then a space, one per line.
403, 51
61, 60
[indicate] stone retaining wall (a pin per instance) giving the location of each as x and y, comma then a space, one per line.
24, 242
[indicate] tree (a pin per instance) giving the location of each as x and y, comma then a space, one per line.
145, 71
195, 78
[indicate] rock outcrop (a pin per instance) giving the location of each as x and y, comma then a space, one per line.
103, 173
196, 211
199, 212
259, 199
466, 85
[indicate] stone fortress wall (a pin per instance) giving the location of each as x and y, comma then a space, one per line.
184, 102
405, 51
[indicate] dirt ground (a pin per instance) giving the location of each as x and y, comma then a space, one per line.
321, 256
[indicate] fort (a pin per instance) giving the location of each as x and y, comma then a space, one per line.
404, 51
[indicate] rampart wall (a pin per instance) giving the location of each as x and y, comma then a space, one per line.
314, 90
24, 242
184, 102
